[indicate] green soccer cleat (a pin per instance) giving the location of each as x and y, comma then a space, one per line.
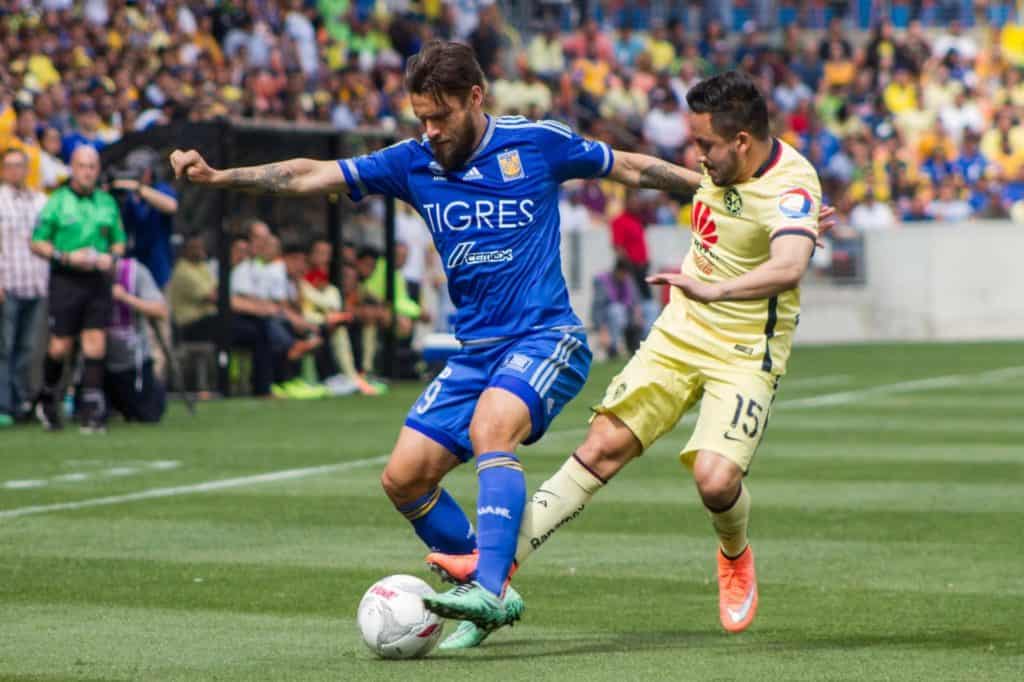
469, 635
473, 603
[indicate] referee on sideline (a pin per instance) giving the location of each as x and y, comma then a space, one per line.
80, 232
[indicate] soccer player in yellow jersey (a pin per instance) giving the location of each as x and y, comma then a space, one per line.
724, 338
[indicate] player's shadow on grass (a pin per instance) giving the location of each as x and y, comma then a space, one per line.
509, 649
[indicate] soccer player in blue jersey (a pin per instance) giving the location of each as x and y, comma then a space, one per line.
488, 190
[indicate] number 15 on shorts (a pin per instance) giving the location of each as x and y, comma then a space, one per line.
749, 419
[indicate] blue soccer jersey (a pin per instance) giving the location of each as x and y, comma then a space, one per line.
494, 221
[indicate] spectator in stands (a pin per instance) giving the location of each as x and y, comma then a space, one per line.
253, 310
406, 308
411, 231
193, 293
322, 305
544, 54
962, 117
25, 139
87, 130
917, 211
80, 232
131, 386
240, 250
938, 166
947, 206
628, 46
789, 94
23, 285
616, 311
52, 169
487, 38
664, 125
872, 215
148, 209
629, 240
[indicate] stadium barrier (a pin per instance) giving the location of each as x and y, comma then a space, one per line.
941, 282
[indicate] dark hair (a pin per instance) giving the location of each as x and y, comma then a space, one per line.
443, 68
367, 252
734, 103
294, 245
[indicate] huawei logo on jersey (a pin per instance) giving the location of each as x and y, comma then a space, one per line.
703, 225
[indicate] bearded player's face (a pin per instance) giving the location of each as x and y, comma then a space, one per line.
718, 155
449, 125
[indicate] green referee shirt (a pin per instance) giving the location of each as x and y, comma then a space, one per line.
72, 221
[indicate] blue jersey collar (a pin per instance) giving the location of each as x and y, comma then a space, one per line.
484, 141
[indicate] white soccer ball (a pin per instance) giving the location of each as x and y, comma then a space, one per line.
393, 620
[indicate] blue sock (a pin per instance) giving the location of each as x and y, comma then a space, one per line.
440, 522
499, 512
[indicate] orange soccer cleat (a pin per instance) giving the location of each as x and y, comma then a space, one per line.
458, 568
737, 590
453, 568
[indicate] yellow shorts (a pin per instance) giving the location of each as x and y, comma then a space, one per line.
667, 377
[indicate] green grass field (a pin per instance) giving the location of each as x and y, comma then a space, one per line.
889, 502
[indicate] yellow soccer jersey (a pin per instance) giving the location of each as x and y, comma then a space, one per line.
732, 232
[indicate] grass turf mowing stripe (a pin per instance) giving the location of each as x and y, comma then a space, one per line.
824, 400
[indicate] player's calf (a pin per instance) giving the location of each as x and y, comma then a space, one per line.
411, 481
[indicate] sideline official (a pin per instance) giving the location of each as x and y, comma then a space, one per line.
80, 232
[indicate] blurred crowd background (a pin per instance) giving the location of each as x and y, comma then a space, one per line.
911, 112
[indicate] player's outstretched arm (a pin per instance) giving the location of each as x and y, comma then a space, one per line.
640, 170
790, 256
292, 177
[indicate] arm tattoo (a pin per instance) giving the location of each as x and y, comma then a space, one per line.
272, 178
661, 176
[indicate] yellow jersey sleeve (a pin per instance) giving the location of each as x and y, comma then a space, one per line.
793, 198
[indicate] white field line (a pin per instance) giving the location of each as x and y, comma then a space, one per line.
818, 382
152, 493
824, 400
934, 383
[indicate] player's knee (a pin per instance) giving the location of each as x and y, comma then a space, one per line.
59, 347
717, 481
94, 344
609, 447
491, 435
402, 488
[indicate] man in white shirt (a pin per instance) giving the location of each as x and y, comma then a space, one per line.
960, 116
414, 233
664, 125
872, 215
23, 284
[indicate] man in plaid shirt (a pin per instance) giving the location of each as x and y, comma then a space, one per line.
23, 282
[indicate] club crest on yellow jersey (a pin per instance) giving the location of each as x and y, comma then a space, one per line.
733, 201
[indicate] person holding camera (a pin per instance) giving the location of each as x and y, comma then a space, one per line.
147, 208
80, 233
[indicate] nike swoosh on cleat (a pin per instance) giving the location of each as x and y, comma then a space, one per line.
738, 615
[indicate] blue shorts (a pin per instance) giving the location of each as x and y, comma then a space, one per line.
545, 370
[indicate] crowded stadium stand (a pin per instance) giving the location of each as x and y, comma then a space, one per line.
911, 113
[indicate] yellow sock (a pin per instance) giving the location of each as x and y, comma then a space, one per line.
559, 499
731, 524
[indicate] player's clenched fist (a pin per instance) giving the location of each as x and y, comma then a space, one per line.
191, 166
